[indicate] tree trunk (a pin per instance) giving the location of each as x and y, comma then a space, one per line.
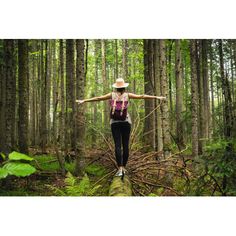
149, 131
179, 95
61, 158
212, 94
70, 93
120, 187
205, 87
116, 60
228, 121
164, 107
159, 135
170, 84
194, 97
80, 77
201, 120
125, 58
10, 95
105, 83
43, 120
95, 115
23, 95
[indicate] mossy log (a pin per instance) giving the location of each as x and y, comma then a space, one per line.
120, 186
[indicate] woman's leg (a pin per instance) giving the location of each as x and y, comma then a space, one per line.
125, 133
116, 133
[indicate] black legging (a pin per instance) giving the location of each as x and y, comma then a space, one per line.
121, 132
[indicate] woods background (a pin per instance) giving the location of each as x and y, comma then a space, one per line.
41, 79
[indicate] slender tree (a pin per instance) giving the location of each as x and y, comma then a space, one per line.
149, 131
23, 134
158, 122
194, 97
80, 77
164, 92
179, 94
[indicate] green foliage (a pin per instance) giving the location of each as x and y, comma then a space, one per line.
13, 166
73, 187
19, 169
95, 170
216, 170
16, 156
3, 173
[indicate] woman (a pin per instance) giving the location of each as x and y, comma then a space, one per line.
120, 119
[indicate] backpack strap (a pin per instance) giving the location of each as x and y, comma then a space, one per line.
114, 104
123, 104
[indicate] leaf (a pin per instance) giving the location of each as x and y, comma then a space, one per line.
3, 173
19, 169
16, 156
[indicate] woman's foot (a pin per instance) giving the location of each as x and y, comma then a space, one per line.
120, 172
124, 170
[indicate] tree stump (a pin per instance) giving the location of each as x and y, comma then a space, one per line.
120, 186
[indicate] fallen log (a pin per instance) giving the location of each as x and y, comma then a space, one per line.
120, 186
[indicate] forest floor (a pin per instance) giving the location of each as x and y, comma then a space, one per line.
150, 175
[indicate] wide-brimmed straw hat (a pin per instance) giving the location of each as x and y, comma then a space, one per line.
120, 83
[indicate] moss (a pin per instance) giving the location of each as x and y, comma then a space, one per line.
120, 187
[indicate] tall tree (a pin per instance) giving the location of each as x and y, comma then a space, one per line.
62, 96
125, 58
212, 92
80, 77
9, 96
105, 82
228, 115
159, 138
43, 78
179, 94
23, 95
149, 131
205, 87
70, 92
164, 92
194, 97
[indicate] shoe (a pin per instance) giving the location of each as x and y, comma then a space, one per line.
120, 172
125, 171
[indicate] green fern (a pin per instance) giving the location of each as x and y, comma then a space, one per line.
75, 188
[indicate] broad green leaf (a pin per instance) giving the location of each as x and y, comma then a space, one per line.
19, 169
3, 173
16, 156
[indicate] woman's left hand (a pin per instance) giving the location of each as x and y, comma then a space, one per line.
80, 101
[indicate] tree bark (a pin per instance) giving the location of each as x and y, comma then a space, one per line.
10, 96
164, 106
43, 120
23, 95
205, 87
194, 97
149, 130
80, 77
105, 83
125, 58
159, 135
70, 93
179, 95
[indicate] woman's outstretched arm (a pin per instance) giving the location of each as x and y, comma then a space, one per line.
145, 96
94, 99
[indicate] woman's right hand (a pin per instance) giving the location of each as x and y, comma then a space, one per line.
79, 101
161, 98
